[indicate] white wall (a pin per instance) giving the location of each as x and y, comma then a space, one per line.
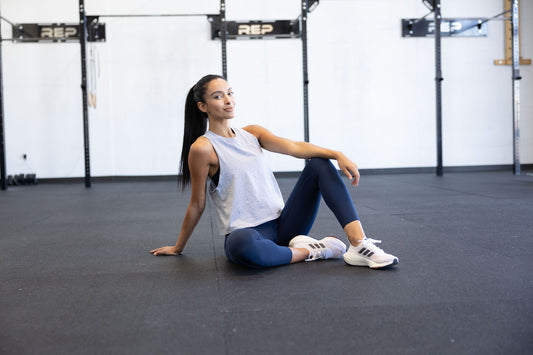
371, 91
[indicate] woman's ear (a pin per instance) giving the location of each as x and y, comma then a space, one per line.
202, 107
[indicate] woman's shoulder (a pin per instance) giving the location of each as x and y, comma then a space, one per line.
254, 130
201, 146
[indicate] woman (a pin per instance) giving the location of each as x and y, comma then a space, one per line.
260, 230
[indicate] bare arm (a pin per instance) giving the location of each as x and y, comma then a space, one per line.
303, 150
199, 163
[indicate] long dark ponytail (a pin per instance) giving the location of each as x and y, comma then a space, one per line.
195, 125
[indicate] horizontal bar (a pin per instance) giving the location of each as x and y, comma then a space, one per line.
153, 15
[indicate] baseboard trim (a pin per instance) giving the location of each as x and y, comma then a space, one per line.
446, 169
290, 174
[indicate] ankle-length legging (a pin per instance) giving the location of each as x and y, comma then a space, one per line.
266, 244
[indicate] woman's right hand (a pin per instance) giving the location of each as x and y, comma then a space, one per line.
169, 250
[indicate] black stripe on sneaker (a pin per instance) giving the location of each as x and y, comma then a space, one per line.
366, 252
312, 246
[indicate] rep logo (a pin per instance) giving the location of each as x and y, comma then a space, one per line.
255, 30
446, 26
59, 32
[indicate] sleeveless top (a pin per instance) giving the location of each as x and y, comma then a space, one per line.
247, 193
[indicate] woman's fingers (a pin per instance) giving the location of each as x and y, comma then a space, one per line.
164, 251
353, 174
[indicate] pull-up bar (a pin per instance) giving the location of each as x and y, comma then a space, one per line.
153, 15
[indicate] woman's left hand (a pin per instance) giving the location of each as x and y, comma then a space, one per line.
349, 168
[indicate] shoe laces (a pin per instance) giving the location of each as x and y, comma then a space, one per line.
370, 244
317, 254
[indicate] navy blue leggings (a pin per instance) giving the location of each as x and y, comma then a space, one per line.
266, 244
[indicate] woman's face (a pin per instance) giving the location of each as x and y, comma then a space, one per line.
219, 103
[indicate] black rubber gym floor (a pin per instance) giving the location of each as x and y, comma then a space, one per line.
77, 276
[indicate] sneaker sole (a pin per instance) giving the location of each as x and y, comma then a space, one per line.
369, 263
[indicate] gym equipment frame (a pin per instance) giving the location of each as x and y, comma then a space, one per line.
409, 29
89, 29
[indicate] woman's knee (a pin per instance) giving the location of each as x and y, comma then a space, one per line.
247, 247
320, 163
238, 243
321, 166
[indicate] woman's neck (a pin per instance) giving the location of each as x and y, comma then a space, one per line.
222, 129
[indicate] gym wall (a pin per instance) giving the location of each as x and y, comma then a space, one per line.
371, 91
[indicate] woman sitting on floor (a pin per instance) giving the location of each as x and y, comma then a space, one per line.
260, 230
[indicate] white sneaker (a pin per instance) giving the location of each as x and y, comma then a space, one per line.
367, 254
325, 248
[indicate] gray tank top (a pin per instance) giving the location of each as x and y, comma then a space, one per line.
247, 193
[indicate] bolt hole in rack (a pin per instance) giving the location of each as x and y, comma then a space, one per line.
90, 29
